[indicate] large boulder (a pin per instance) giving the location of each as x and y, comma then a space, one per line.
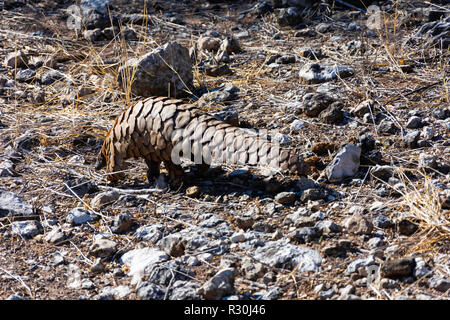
167, 68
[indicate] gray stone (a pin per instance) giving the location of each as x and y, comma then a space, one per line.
316, 73
327, 227
358, 263
141, 260
414, 122
26, 229
51, 76
103, 248
345, 164
184, 290
253, 270
87, 284
313, 194
387, 127
297, 126
358, 224
285, 197
211, 221
283, 254
79, 186
17, 60
287, 59
289, 17
94, 14
104, 198
281, 139
228, 114
73, 277
353, 47
323, 27
333, 114
421, 269
427, 133
166, 272
440, 284
375, 242
228, 92
305, 234
56, 236
78, 216
327, 294
167, 67
237, 237
364, 107
56, 259
337, 249
312, 53
411, 138
7, 168
427, 160
15, 297
13, 205
382, 221
272, 293
118, 292
219, 286
152, 233
93, 35
314, 103
25, 75
173, 245
382, 172
150, 291
122, 222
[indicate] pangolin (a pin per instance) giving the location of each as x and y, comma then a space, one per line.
160, 129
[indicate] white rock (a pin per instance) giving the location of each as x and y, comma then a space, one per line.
79, 216
313, 73
281, 139
26, 229
76, 160
354, 265
421, 268
283, 254
12, 205
427, 133
74, 277
297, 125
345, 164
140, 260
237, 237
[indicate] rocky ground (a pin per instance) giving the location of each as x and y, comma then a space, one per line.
362, 94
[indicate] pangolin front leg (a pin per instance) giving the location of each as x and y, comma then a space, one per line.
160, 129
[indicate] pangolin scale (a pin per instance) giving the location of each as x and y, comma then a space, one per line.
159, 129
